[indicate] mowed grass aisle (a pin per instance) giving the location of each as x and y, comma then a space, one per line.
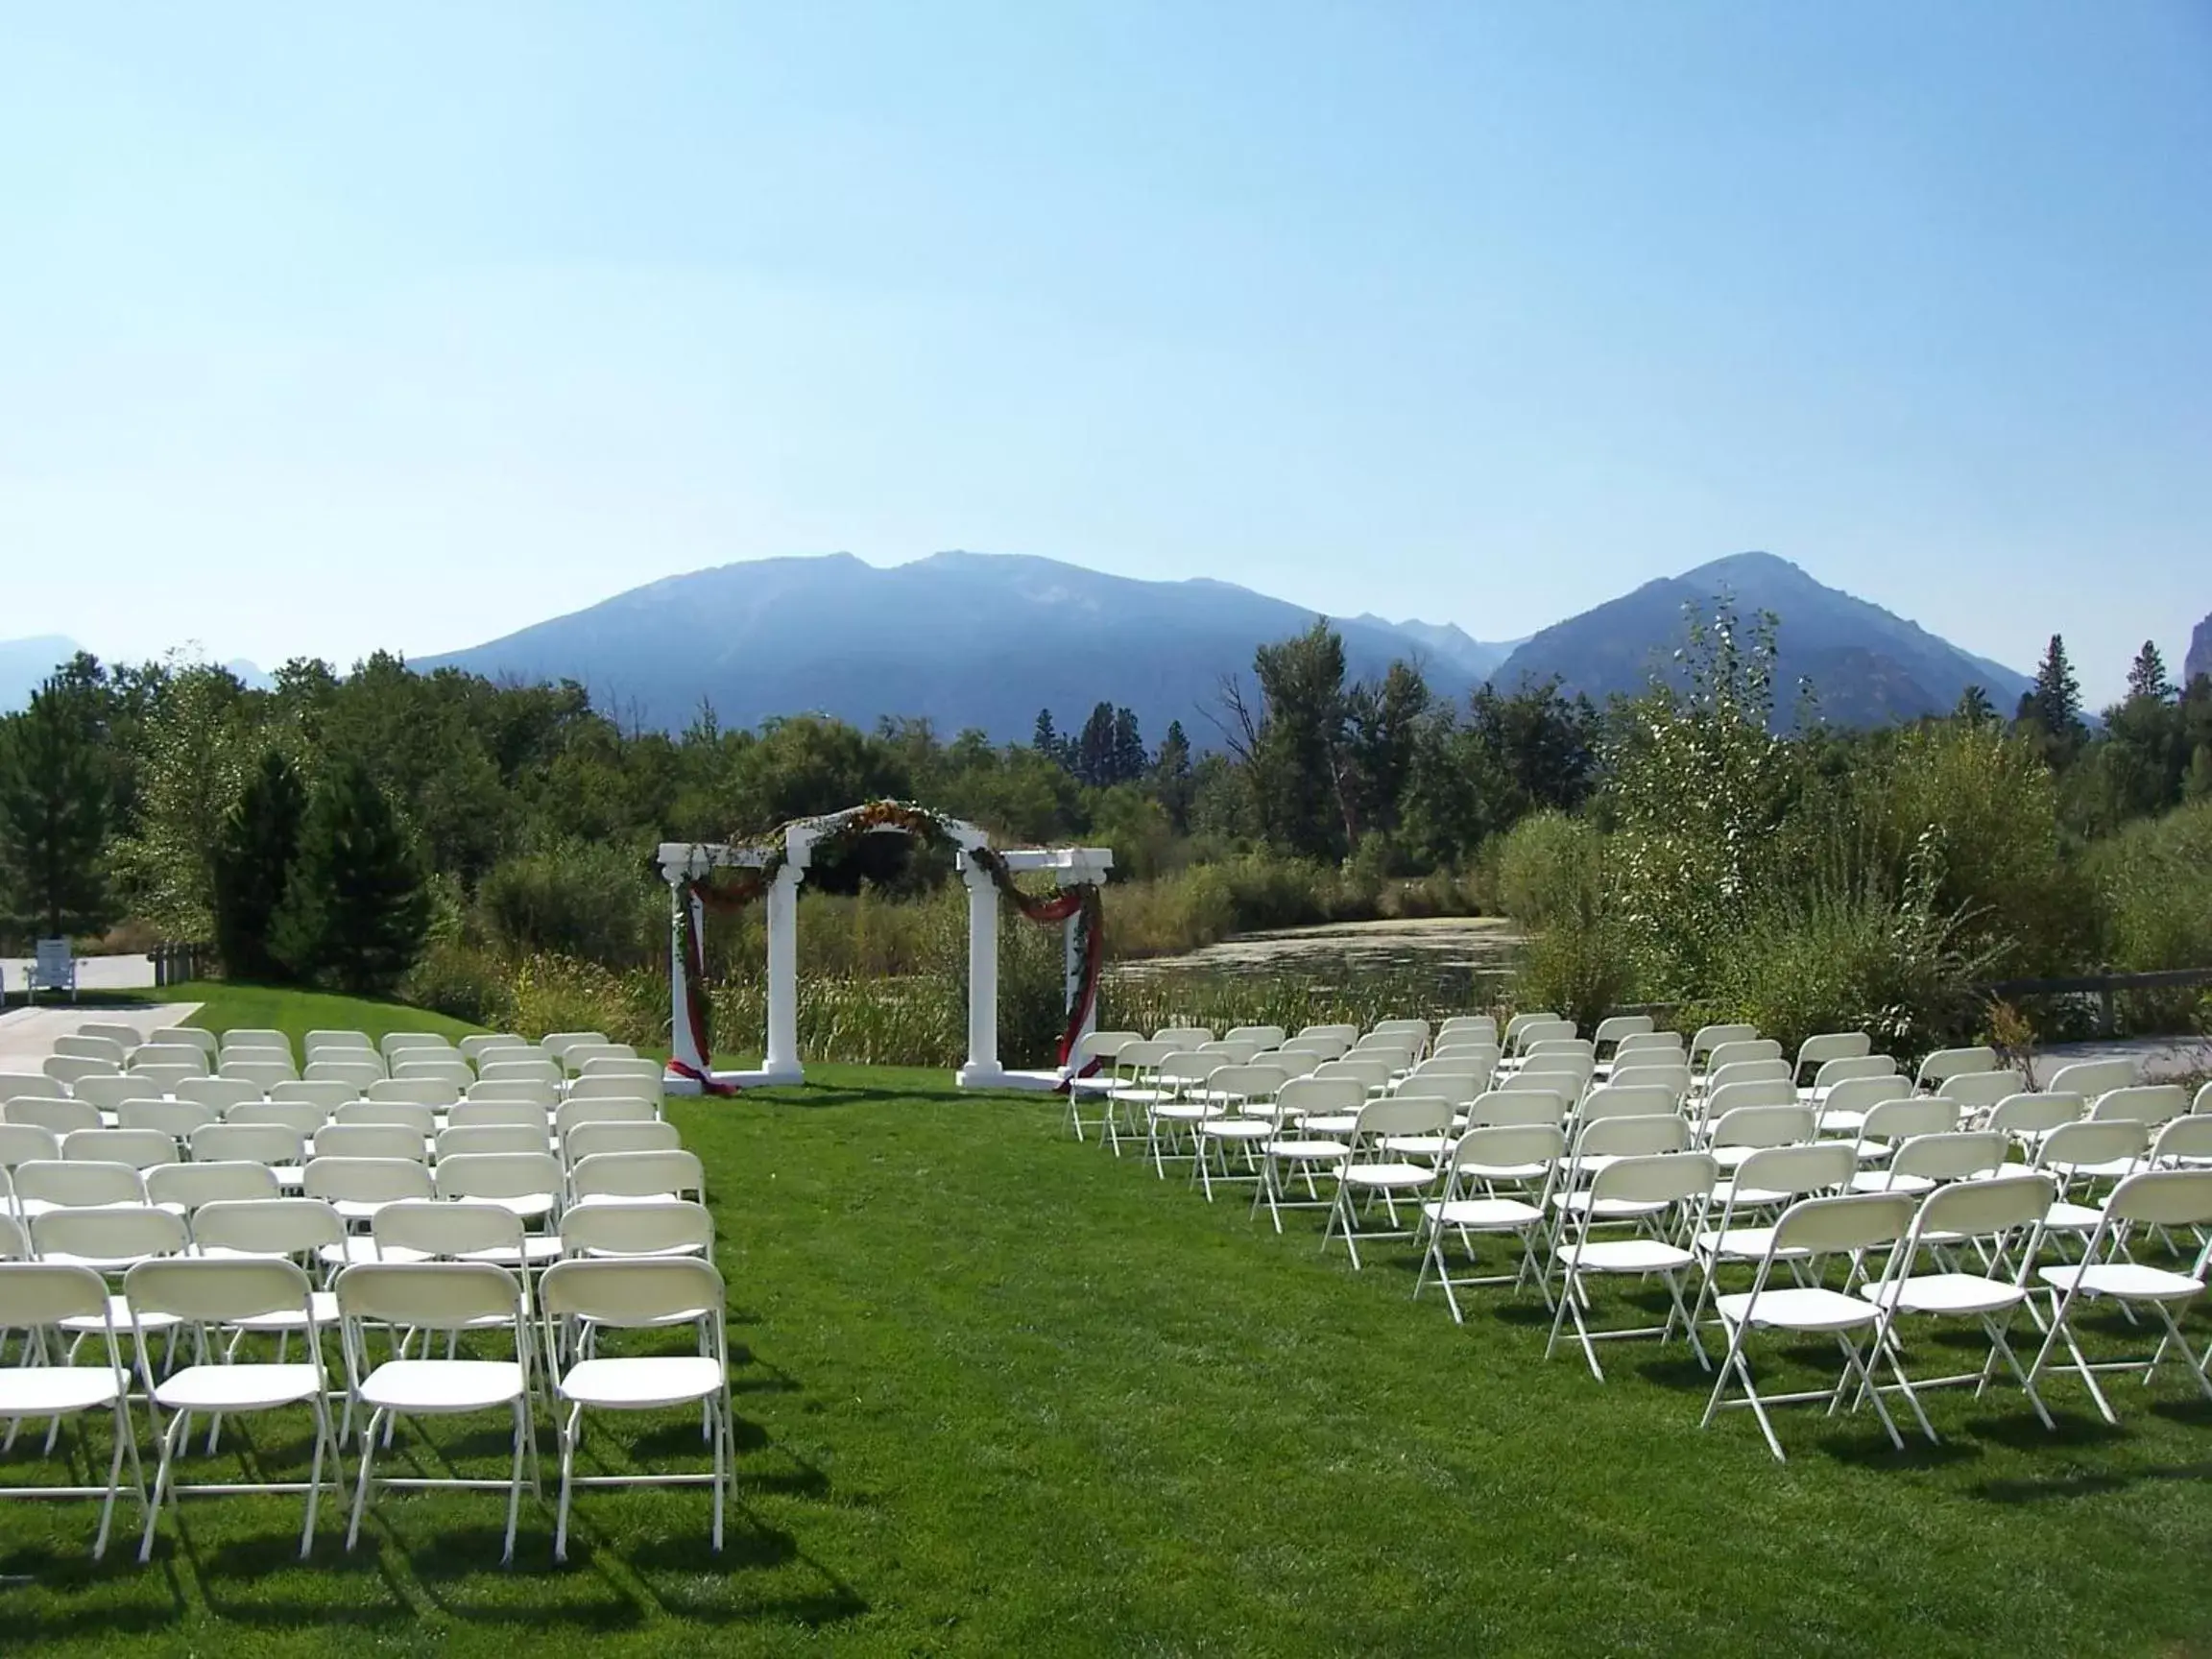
1001, 1393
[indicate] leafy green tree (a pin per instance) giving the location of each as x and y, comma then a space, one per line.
1974, 708
197, 740
356, 908
54, 797
809, 765
253, 860
1292, 745
1382, 731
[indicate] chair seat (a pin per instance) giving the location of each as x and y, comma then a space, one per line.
2069, 1217
636, 1384
324, 1304
2124, 1280
1329, 1122
1882, 1181
1842, 1124
1946, 1293
1418, 1145
1726, 1193
237, 1388
363, 1248
1741, 1244
1483, 1214
50, 1390
444, 1385
1626, 1256
1381, 1176
1503, 1172
1311, 1152
1798, 1308
1185, 1110
1605, 1209
1238, 1128
537, 1251
2111, 1169
119, 1320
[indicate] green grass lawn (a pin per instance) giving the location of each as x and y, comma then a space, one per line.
1001, 1393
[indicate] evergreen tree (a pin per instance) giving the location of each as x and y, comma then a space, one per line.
1095, 748
1129, 758
1046, 740
356, 907
54, 799
2052, 705
1172, 784
2147, 678
253, 860
1974, 708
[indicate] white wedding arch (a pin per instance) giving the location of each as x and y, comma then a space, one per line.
788, 853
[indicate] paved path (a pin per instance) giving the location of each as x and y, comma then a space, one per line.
27, 1034
2163, 1059
93, 974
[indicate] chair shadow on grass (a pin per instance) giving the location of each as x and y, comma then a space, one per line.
72, 1573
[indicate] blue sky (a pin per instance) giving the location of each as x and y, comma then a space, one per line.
327, 329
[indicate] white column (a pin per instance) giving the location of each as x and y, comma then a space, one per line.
781, 1065
681, 1046
982, 1069
1071, 984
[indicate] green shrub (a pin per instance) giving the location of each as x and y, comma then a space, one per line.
592, 901
1550, 867
2155, 879
465, 982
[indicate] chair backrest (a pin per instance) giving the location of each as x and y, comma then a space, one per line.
1184, 1035
324, 1092
1266, 1036
1322, 1044
2144, 1103
632, 1066
617, 1089
1796, 1170
1751, 1071
1562, 1087
2162, 1198
1504, 1108
128, 1037
392, 1042
1350, 1034
1706, 1037
536, 1092
1850, 1066
301, 1116
1946, 1063
1481, 1026
587, 1139
108, 1094
71, 1184
430, 1296
61, 1117
334, 1038
222, 1093
1508, 1146
1638, 1137
219, 1292
87, 1047
2089, 1142
655, 1227
1652, 1070
263, 1071
1293, 1062
1521, 1023
1901, 1120
27, 1143
496, 1068
2091, 1078
1242, 1082
111, 1236
25, 1086
1956, 1156
1370, 1069
267, 1226
1973, 1090
369, 1140
186, 1036
500, 1114
558, 1043
190, 1185
1539, 1031
174, 1118
1819, 1050
189, 1058
166, 1079
453, 1072
422, 1091
473, 1046
2188, 1137
1669, 1043
420, 1120
1624, 1101
446, 1227
344, 1180
1863, 1093
635, 1290
1735, 1096
274, 1144
638, 1175
1579, 1047
353, 1073
256, 1037
1317, 1096
503, 1175
581, 1054
38, 1295
1738, 1050
1616, 1026
1417, 1029
472, 1139
1984, 1208
140, 1148
2203, 1100
610, 1111
1836, 1226
1102, 1046
1455, 1089
2034, 1114
1655, 1178
1766, 1126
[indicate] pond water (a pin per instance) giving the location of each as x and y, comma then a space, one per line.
1449, 947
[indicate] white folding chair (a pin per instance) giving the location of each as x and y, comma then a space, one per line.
1315, 1118
224, 1292
575, 1112
108, 1094
1641, 1191
588, 1139
185, 1189
421, 1091
1811, 1230
435, 1297
1377, 1170
529, 1185
466, 1140
303, 1118
542, 1094
70, 1067
174, 1118
1496, 1181
1946, 1063
616, 1088
55, 1117
2003, 1216
652, 1227
357, 1188
1846, 1102
64, 1184
371, 1141
640, 1292
419, 1122
355, 1075
671, 1175
2151, 1199
219, 1093
500, 1114
267, 1073
47, 1302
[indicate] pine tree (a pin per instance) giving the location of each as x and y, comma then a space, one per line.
1046, 740
1171, 781
253, 860
2147, 678
53, 801
1129, 756
2052, 705
1974, 708
1094, 749
355, 908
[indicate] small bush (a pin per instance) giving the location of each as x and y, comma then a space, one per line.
468, 984
589, 902
1550, 867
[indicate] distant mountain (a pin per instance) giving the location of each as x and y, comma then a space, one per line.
1449, 644
25, 664
2199, 657
1866, 666
964, 640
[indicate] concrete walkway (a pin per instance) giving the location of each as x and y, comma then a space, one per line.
2163, 1059
27, 1034
93, 974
